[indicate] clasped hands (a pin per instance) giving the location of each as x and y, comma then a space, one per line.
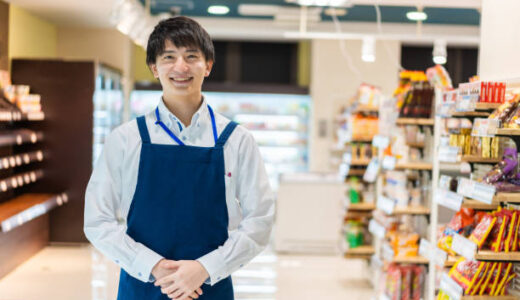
181, 279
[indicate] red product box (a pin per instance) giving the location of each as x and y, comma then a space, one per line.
496, 87
502, 98
490, 92
483, 91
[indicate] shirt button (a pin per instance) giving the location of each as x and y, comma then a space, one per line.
218, 278
183, 138
140, 274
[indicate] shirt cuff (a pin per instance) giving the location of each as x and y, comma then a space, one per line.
143, 264
215, 266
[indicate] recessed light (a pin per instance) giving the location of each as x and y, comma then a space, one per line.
218, 10
416, 15
340, 12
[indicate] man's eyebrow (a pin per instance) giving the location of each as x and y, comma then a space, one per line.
189, 50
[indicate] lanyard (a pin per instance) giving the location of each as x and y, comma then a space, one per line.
174, 137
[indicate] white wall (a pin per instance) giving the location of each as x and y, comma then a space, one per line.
332, 83
500, 40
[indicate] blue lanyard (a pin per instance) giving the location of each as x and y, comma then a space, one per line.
174, 137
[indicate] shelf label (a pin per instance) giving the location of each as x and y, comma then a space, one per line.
386, 204
439, 257
448, 154
389, 162
376, 229
372, 170
484, 127
344, 169
450, 287
380, 141
448, 199
476, 190
425, 248
464, 246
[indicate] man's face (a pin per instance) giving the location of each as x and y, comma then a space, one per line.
181, 71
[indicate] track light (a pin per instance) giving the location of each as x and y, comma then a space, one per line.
440, 53
368, 49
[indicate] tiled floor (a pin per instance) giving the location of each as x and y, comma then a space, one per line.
81, 273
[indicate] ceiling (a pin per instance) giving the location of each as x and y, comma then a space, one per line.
357, 13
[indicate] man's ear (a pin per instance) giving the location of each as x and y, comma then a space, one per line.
153, 68
209, 66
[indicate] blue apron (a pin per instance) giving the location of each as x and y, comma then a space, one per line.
179, 208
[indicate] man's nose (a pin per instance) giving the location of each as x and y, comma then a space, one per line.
181, 65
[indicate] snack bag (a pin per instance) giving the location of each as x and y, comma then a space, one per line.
393, 282
508, 243
445, 244
417, 282
503, 291
406, 283
465, 273
503, 278
488, 277
481, 232
480, 279
498, 230
493, 283
516, 233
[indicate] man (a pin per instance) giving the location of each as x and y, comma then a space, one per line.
170, 184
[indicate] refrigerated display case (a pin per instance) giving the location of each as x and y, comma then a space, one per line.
279, 123
108, 106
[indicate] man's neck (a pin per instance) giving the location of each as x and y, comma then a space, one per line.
183, 107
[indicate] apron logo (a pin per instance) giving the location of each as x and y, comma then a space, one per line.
229, 174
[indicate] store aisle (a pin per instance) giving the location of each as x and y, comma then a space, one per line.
81, 273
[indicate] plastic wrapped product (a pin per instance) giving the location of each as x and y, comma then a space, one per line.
406, 283
393, 282
481, 277
503, 111
466, 272
418, 282
502, 169
511, 232
488, 277
498, 231
506, 284
506, 271
493, 283
481, 232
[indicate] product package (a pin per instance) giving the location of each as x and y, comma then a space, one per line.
482, 230
466, 272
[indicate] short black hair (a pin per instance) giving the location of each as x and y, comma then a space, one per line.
182, 32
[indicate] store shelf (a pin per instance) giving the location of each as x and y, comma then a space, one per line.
507, 131
13, 116
360, 162
360, 252
489, 298
470, 114
362, 206
507, 197
477, 205
414, 166
415, 145
362, 139
25, 208
356, 172
486, 106
478, 159
450, 261
357, 214
497, 256
411, 260
415, 121
411, 210
366, 109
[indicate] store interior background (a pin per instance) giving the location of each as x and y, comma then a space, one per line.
318, 73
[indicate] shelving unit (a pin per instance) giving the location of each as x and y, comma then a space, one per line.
411, 260
489, 255
411, 210
414, 166
362, 206
415, 121
365, 251
481, 160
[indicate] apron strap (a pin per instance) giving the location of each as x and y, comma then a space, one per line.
222, 139
143, 131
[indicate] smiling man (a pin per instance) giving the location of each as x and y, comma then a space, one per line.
180, 197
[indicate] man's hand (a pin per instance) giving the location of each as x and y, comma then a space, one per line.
163, 269
189, 275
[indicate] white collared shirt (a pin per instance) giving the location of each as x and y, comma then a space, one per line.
111, 188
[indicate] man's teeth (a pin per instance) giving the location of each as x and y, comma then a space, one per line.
181, 79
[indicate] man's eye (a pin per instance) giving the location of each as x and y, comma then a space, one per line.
192, 56
168, 57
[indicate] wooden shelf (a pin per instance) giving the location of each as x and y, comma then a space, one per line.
13, 116
356, 172
507, 197
365, 251
478, 159
411, 210
360, 162
507, 131
362, 206
362, 139
477, 205
357, 214
415, 121
20, 159
486, 106
366, 109
414, 166
470, 114
415, 145
450, 262
25, 208
509, 297
411, 260
497, 256
19, 137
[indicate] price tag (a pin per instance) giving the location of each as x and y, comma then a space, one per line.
448, 199
389, 162
425, 248
376, 229
484, 127
444, 181
344, 168
385, 204
483, 192
372, 170
347, 157
476, 190
380, 141
448, 154
450, 287
464, 246
439, 256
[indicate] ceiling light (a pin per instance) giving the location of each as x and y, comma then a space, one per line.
340, 12
218, 10
440, 52
368, 49
416, 15
331, 3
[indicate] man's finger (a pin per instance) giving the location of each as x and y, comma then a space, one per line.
199, 291
177, 294
169, 290
194, 295
172, 264
165, 280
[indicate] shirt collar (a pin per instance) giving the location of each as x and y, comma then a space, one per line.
199, 118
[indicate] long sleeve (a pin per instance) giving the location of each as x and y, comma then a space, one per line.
102, 207
257, 207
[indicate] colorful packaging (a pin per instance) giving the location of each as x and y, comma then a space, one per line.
466, 272
488, 279
406, 283
418, 282
495, 277
503, 278
498, 231
508, 243
393, 282
480, 279
481, 232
